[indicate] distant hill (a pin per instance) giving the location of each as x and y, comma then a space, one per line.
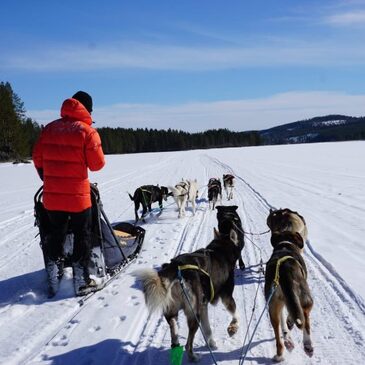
319, 129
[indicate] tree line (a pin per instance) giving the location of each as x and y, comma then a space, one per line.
122, 140
18, 133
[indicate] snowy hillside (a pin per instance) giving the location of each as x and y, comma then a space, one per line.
324, 182
319, 129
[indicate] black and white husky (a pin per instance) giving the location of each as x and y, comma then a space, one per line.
214, 192
208, 275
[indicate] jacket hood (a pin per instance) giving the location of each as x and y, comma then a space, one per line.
75, 111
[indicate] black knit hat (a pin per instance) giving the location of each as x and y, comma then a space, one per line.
85, 99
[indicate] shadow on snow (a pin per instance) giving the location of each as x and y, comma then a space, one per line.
114, 351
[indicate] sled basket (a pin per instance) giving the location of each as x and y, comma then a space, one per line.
112, 245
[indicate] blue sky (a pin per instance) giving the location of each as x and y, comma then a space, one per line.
191, 65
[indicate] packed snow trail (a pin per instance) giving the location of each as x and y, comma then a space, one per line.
114, 326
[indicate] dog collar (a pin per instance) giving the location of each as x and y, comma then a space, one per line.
282, 242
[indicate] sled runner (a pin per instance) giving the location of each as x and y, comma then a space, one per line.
113, 245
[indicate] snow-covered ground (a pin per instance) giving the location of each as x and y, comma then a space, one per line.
324, 182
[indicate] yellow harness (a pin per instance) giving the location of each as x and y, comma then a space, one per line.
278, 263
143, 194
195, 267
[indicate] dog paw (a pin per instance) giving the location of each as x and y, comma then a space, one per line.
289, 344
278, 358
290, 323
213, 344
232, 329
308, 349
194, 357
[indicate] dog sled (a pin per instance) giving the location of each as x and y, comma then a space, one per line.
113, 245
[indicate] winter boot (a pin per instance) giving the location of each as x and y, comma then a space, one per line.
52, 278
82, 283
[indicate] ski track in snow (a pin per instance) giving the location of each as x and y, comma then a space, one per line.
114, 327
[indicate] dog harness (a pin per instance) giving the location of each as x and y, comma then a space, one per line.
228, 177
144, 197
186, 186
195, 267
213, 184
278, 264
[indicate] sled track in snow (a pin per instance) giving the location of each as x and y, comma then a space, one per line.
342, 305
321, 260
227, 168
78, 305
23, 248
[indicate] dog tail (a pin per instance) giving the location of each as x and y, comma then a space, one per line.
156, 289
131, 196
292, 300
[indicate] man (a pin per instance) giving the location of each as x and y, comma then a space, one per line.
66, 149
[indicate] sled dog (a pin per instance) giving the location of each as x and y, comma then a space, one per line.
281, 220
286, 269
228, 185
214, 192
228, 219
207, 275
183, 192
146, 195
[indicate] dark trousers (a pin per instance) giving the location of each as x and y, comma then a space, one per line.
79, 224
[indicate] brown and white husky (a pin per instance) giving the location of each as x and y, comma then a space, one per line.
287, 268
282, 220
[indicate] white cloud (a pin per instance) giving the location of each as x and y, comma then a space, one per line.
347, 19
190, 58
240, 115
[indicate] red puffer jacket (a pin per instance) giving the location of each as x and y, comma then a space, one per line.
65, 150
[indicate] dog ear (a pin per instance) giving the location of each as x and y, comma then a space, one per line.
217, 235
299, 240
233, 236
